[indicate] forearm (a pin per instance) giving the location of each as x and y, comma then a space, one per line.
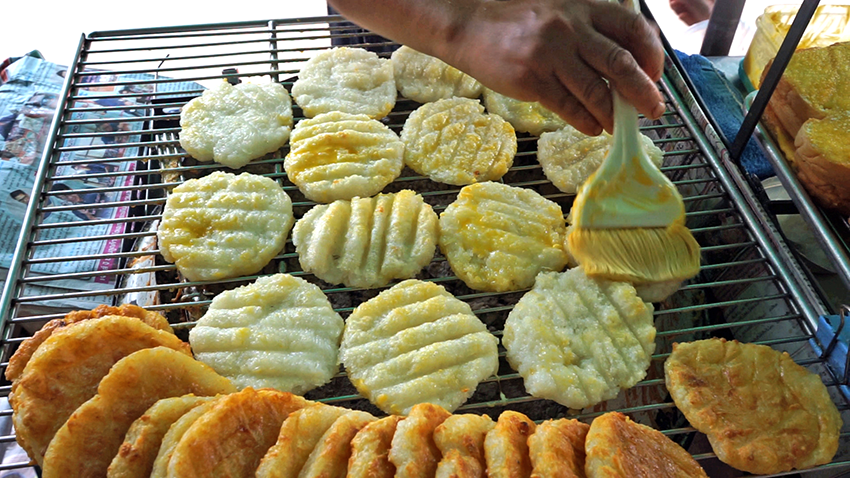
429, 26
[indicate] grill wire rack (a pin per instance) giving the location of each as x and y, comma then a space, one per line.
750, 287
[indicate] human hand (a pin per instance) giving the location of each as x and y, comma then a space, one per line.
560, 53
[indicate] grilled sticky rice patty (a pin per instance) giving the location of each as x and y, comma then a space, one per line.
498, 237
222, 225
460, 439
92, 436
616, 447
424, 78
370, 449
416, 343
524, 116
413, 451
232, 437
569, 157
278, 332
347, 79
137, 454
577, 340
761, 411
232, 125
453, 141
339, 155
367, 242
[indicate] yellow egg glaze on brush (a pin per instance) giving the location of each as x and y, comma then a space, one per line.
628, 218
637, 255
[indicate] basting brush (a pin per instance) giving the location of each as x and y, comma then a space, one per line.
628, 219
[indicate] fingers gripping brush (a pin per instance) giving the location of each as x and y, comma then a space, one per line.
628, 219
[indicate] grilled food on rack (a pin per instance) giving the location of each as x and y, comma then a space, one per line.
498, 237
525, 116
331, 455
424, 78
351, 80
762, 412
232, 436
556, 449
232, 125
506, 446
279, 332
299, 435
340, 156
174, 434
460, 439
370, 449
569, 157
66, 368
136, 455
222, 225
92, 436
28, 347
616, 447
413, 451
367, 242
453, 141
577, 340
416, 343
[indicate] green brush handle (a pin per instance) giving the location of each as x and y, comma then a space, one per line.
626, 138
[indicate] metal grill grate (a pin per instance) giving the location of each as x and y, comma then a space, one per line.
749, 287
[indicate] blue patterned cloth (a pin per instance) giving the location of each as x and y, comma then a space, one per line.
726, 104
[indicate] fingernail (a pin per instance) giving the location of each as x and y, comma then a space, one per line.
659, 110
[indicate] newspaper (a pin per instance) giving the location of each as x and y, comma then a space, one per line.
105, 127
102, 127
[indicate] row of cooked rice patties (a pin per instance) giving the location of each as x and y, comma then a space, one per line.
340, 156
342, 151
101, 417
410, 345
291, 437
81, 407
349, 80
415, 342
495, 237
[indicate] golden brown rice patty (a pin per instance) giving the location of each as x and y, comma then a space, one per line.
762, 412
618, 447
92, 436
231, 438
506, 446
65, 370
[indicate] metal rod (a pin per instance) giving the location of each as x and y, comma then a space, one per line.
805, 297
16, 266
771, 79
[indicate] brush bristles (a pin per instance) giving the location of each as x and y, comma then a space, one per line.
637, 255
